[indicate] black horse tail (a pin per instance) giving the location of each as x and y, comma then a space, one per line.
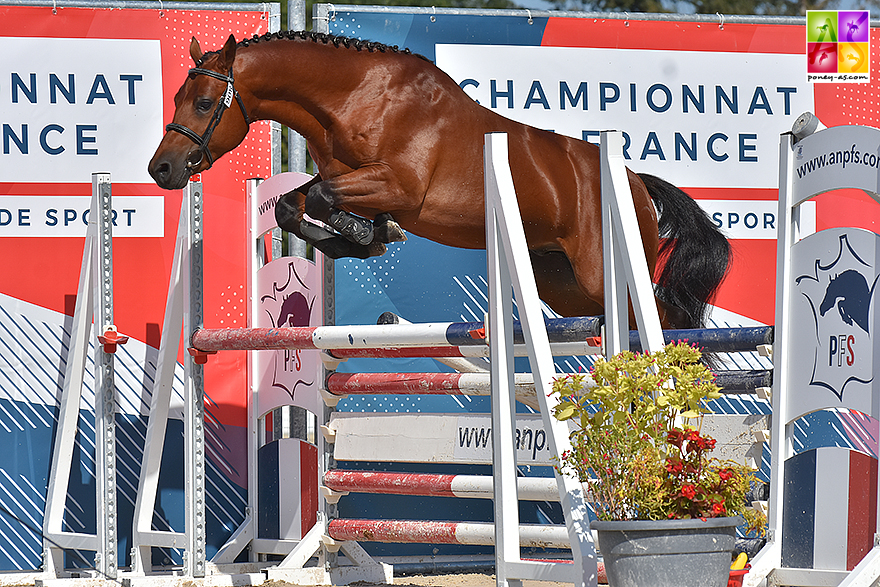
696, 253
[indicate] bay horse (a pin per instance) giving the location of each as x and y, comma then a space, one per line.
399, 145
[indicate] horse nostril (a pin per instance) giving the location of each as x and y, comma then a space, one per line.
160, 171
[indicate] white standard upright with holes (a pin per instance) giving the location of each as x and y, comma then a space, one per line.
509, 266
94, 300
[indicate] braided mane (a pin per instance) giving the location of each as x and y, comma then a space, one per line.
325, 38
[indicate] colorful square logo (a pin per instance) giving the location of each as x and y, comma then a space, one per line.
838, 46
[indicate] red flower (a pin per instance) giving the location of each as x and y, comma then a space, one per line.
688, 491
725, 474
692, 435
718, 509
674, 465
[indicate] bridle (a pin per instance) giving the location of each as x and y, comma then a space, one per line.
203, 140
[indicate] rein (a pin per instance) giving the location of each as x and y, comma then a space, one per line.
202, 140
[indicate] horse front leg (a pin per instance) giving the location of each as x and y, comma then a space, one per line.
335, 246
320, 205
290, 207
367, 189
384, 229
289, 216
387, 230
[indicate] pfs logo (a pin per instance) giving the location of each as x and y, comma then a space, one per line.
840, 298
288, 305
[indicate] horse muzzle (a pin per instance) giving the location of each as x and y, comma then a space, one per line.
171, 176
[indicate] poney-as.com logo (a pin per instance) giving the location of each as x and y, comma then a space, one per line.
838, 46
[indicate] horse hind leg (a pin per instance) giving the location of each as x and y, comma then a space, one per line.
559, 288
672, 316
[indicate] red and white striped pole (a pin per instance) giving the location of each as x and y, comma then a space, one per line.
425, 532
436, 485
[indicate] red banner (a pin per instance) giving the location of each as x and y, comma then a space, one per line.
65, 117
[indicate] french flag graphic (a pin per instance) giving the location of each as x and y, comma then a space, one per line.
288, 489
830, 510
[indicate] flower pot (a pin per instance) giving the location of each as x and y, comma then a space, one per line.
667, 553
736, 577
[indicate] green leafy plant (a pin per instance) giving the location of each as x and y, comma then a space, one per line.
637, 445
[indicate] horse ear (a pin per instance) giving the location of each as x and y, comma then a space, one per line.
194, 50
227, 53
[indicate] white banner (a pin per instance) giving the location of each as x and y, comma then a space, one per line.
753, 219
473, 442
693, 118
73, 106
49, 216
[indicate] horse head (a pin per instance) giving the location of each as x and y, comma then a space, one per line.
199, 132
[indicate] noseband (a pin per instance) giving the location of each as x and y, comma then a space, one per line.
203, 140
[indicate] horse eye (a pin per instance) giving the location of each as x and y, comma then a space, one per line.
204, 104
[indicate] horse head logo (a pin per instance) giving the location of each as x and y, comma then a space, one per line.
851, 293
286, 305
295, 311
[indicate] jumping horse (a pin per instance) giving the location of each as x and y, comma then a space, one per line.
398, 145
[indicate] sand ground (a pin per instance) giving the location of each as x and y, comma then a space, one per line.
448, 580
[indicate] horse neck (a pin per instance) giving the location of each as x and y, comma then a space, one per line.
315, 79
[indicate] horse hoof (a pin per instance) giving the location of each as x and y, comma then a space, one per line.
376, 249
358, 230
389, 232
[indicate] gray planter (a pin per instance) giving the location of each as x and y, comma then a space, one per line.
667, 553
